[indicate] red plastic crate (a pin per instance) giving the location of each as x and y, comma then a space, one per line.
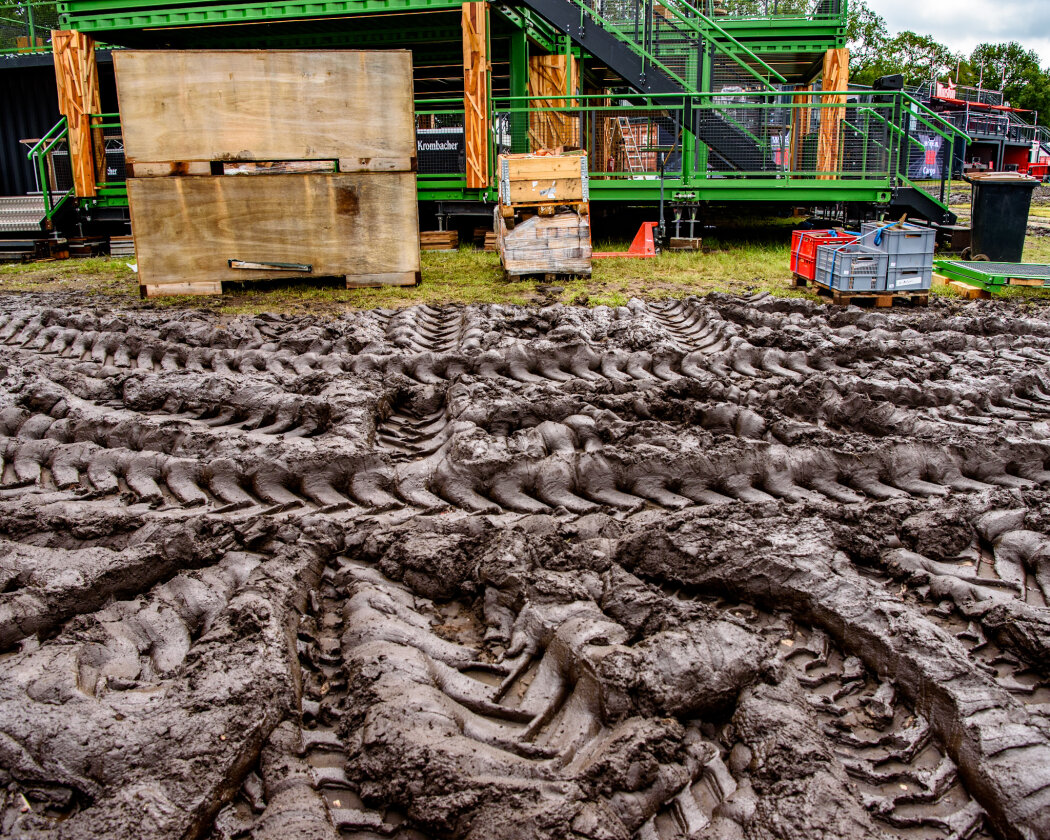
804, 244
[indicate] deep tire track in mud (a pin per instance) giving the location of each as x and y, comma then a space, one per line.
716, 568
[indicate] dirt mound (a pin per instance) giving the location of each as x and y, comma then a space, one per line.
715, 568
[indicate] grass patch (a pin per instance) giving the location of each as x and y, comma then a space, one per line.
733, 265
464, 276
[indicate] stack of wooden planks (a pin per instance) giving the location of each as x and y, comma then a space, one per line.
542, 223
558, 244
262, 164
438, 240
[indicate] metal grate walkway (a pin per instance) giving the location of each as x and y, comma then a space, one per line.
21, 213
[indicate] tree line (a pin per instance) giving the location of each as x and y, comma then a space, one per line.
920, 58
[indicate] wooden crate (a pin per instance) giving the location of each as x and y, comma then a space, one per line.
180, 107
558, 244
533, 180
360, 225
260, 164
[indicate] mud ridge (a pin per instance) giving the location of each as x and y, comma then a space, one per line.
729, 568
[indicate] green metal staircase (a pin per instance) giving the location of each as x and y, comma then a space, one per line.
660, 48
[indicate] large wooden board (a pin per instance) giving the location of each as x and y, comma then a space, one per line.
363, 226
187, 105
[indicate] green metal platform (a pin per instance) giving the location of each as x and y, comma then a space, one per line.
991, 276
726, 137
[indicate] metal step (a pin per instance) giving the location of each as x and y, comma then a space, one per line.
21, 213
921, 205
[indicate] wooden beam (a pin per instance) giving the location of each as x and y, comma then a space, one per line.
829, 145
800, 121
553, 76
476, 93
76, 73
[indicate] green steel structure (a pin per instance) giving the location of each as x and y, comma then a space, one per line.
685, 100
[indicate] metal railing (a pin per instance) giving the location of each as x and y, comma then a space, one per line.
107, 152
801, 9
875, 139
672, 36
52, 165
25, 26
1003, 125
980, 95
43, 156
760, 136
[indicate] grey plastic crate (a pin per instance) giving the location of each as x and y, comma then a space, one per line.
851, 268
910, 239
910, 262
904, 280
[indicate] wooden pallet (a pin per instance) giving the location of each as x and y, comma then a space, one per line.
879, 300
83, 246
798, 281
685, 244
438, 240
534, 180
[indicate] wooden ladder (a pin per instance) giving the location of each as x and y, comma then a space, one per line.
630, 146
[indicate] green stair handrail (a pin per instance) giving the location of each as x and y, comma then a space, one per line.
38, 155
703, 25
615, 29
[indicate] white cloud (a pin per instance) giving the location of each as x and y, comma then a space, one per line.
963, 24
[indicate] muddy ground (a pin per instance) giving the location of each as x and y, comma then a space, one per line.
720, 568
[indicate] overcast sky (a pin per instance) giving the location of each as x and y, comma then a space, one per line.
963, 24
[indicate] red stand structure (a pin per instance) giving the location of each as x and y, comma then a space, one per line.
644, 244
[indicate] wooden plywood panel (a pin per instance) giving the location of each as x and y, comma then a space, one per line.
76, 74
360, 225
553, 76
476, 93
189, 105
836, 78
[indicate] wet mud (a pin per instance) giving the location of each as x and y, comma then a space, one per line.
724, 568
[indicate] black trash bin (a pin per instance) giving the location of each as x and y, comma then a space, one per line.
1001, 201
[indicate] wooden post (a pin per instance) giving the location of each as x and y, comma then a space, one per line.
800, 118
77, 75
829, 147
476, 93
555, 76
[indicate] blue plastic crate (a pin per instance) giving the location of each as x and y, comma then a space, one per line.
852, 268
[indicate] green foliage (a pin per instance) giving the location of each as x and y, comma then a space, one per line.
15, 21
921, 58
866, 35
1010, 66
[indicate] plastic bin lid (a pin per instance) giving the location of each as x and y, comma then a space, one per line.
1000, 178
